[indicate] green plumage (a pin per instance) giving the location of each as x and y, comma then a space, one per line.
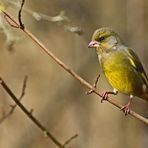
120, 64
120, 73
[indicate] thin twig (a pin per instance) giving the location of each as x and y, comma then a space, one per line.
70, 71
70, 139
20, 15
94, 86
23, 87
29, 114
10, 23
5, 116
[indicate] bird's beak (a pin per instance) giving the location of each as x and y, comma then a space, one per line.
93, 44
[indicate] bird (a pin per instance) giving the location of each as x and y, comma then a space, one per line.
121, 66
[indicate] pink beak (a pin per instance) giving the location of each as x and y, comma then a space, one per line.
93, 44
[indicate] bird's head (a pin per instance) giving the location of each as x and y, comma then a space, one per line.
104, 39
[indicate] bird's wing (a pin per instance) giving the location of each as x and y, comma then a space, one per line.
135, 62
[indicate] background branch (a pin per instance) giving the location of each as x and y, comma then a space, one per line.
33, 119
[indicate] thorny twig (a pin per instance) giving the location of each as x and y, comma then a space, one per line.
70, 71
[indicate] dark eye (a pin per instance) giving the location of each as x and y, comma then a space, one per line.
101, 38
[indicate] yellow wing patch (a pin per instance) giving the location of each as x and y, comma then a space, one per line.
132, 62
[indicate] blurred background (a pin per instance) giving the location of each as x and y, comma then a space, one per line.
58, 100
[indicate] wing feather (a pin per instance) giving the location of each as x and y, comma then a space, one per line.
135, 62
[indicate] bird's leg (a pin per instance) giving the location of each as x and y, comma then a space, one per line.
94, 86
105, 94
126, 108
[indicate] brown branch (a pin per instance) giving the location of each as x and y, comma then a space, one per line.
29, 114
94, 86
70, 71
5, 116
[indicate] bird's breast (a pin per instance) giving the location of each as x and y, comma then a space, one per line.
119, 73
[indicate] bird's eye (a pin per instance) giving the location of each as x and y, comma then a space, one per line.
101, 38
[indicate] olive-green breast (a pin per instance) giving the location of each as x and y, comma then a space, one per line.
120, 74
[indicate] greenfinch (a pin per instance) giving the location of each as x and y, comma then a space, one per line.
121, 66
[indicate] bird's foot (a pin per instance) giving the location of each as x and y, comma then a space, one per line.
94, 86
106, 94
126, 109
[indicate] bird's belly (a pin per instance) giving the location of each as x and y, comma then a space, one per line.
124, 80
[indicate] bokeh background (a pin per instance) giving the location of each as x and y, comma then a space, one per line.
59, 101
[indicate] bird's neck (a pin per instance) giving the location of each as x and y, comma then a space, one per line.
107, 49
